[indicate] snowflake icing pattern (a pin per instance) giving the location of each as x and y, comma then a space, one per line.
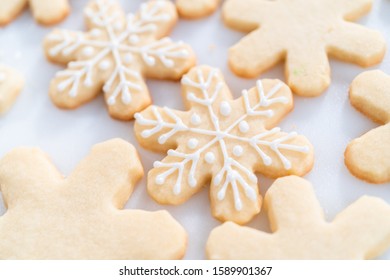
115, 54
217, 127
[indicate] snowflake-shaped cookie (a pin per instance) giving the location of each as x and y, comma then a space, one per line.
361, 231
11, 84
222, 140
115, 55
196, 9
79, 217
44, 11
368, 157
303, 33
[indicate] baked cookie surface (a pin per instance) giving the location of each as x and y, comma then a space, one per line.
116, 55
303, 33
368, 157
222, 141
45, 12
299, 230
80, 217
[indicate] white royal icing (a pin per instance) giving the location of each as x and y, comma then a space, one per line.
233, 173
120, 44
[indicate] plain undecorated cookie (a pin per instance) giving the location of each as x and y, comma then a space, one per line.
299, 230
80, 217
11, 84
303, 33
368, 157
44, 11
196, 9
222, 141
116, 55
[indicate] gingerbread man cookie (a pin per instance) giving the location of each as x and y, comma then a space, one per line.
196, 9
80, 217
11, 84
361, 231
224, 141
44, 11
303, 33
115, 55
368, 157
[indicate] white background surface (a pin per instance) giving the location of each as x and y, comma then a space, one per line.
328, 121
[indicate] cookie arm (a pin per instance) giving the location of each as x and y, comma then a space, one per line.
232, 242
11, 83
63, 46
291, 203
25, 174
352, 10
366, 237
109, 173
49, 11
165, 59
158, 128
162, 15
177, 177
245, 15
148, 235
196, 9
256, 53
368, 157
10, 9
357, 44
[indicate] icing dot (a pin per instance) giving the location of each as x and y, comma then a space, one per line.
225, 108
105, 65
160, 180
238, 151
192, 143
118, 25
134, 39
209, 157
195, 119
128, 58
244, 127
95, 32
88, 51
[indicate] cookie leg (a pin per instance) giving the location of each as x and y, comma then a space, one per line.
10, 9
49, 11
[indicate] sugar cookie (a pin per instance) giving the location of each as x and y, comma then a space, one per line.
224, 141
361, 231
115, 55
303, 33
79, 217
